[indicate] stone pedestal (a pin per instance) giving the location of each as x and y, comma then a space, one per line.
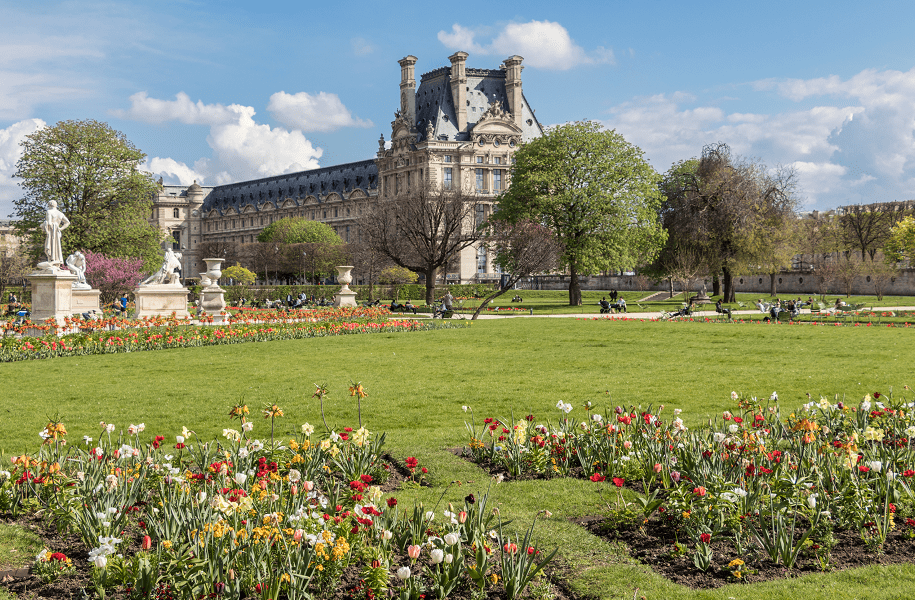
85, 301
161, 300
345, 297
213, 302
52, 291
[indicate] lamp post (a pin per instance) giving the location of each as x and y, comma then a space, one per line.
276, 266
304, 281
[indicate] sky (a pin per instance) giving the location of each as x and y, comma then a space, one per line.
227, 91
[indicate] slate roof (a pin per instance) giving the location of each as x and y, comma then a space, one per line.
341, 179
434, 101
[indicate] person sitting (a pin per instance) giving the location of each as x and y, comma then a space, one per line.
604, 306
407, 306
620, 305
721, 310
774, 310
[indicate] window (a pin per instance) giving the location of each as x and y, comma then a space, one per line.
448, 178
481, 260
325, 214
335, 213
176, 240
176, 213
447, 158
480, 215
409, 180
479, 173
497, 180
497, 160
347, 234
479, 160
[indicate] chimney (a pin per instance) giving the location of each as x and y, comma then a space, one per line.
408, 89
513, 87
459, 88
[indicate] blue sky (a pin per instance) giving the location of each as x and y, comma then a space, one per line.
226, 91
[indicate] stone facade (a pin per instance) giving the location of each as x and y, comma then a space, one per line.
459, 130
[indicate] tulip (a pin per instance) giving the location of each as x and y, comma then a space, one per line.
297, 536
452, 538
147, 543
462, 517
308, 485
413, 552
437, 556
403, 573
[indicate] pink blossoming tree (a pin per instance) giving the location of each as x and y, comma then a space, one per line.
112, 276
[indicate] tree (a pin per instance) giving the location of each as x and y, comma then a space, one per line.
594, 191
14, 265
368, 264
112, 276
726, 207
299, 230
397, 277
422, 229
867, 227
238, 274
521, 249
901, 244
93, 172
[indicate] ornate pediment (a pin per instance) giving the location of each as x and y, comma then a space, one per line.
400, 127
496, 125
249, 209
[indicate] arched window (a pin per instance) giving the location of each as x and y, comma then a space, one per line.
176, 213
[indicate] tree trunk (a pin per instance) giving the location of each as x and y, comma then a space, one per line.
670, 282
430, 286
716, 285
772, 284
574, 288
729, 293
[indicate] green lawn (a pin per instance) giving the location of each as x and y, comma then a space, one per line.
417, 384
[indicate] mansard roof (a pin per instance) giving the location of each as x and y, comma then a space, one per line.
434, 102
320, 183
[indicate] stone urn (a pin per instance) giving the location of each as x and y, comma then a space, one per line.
214, 270
345, 297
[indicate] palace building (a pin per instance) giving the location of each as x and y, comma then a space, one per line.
459, 129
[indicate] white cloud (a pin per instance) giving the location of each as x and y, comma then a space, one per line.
10, 151
21, 91
543, 44
819, 179
242, 148
321, 112
361, 46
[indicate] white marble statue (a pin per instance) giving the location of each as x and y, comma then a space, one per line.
55, 222
76, 263
168, 272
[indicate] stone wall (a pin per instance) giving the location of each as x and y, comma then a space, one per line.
787, 282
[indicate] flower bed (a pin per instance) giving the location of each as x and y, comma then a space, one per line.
105, 336
754, 494
240, 517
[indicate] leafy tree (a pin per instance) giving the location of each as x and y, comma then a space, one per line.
594, 191
14, 265
901, 243
238, 274
397, 277
421, 230
299, 230
93, 172
727, 208
112, 276
521, 249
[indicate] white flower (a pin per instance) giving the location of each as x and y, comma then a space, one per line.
242, 452
256, 446
308, 429
334, 437
240, 478
247, 426
597, 418
740, 492
430, 516
728, 496
875, 465
773, 397
452, 538
180, 439
449, 558
294, 475
677, 411
733, 427
866, 406
734, 396
464, 408
201, 497
812, 500
403, 573
109, 428
560, 404
43, 434
99, 561
387, 534
437, 556
719, 437
910, 431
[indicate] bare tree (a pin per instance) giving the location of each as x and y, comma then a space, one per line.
882, 273
847, 269
218, 249
724, 205
368, 264
684, 264
521, 249
422, 229
867, 227
14, 265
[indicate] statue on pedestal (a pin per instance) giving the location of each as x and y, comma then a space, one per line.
168, 272
76, 263
55, 222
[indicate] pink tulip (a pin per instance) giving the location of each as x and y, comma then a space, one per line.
308, 485
413, 551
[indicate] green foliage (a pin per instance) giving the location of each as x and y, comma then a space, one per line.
395, 275
901, 245
93, 172
238, 274
299, 230
597, 194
